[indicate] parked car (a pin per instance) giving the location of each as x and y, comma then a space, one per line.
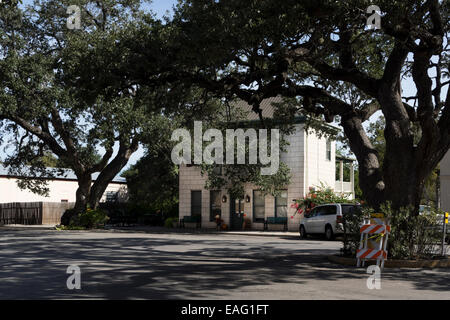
326, 219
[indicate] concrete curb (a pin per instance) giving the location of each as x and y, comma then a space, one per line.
444, 263
268, 234
206, 231
157, 230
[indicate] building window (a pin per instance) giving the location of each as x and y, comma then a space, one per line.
196, 203
111, 196
328, 150
215, 205
259, 206
281, 205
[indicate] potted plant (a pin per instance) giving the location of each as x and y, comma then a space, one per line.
247, 225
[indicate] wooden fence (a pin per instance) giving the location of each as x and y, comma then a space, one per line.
33, 213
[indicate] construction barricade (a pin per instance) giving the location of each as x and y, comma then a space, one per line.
374, 238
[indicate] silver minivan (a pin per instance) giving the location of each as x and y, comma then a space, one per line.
326, 219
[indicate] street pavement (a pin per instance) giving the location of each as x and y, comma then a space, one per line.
143, 265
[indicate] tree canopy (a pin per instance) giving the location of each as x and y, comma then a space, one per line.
43, 108
75, 91
323, 54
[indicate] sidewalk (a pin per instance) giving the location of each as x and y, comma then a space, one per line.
150, 229
264, 233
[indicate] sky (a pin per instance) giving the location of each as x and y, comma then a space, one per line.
158, 6
161, 6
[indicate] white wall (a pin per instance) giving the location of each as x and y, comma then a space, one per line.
59, 190
295, 159
317, 168
305, 156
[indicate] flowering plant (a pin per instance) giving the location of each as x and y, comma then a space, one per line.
318, 196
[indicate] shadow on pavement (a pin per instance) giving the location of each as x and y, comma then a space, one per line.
33, 266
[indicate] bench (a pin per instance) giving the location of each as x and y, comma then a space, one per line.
191, 219
275, 220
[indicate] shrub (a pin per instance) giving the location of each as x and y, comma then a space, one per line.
413, 236
168, 223
352, 222
140, 213
67, 216
90, 219
319, 196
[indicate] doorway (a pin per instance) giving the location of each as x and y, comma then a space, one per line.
237, 214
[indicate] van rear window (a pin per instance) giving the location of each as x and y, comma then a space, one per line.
350, 209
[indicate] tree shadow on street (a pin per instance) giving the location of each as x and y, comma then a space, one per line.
33, 265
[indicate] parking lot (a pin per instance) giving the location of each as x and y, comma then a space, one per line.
125, 265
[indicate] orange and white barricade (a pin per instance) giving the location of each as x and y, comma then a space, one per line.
373, 243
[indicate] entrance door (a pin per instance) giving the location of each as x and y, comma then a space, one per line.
237, 214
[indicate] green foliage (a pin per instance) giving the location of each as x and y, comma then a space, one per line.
66, 93
168, 223
323, 54
352, 222
91, 219
318, 196
413, 236
153, 180
233, 177
78, 91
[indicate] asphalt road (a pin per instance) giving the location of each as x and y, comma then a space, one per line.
33, 265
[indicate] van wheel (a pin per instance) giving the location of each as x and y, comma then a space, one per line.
303, 234
329, 233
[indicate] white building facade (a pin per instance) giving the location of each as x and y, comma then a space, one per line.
312, 163
61, 189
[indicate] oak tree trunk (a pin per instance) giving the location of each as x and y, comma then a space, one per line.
109, 173
82, 196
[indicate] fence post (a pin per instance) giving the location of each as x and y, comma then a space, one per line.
444, 231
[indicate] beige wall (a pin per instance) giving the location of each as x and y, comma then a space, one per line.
445, 182
59, 190
305, 156
190, 179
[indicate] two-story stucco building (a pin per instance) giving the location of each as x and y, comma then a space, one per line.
311, 159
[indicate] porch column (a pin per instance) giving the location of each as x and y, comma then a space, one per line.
352, 179
341, 174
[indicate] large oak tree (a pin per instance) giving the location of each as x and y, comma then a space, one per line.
45, 110
322, 54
